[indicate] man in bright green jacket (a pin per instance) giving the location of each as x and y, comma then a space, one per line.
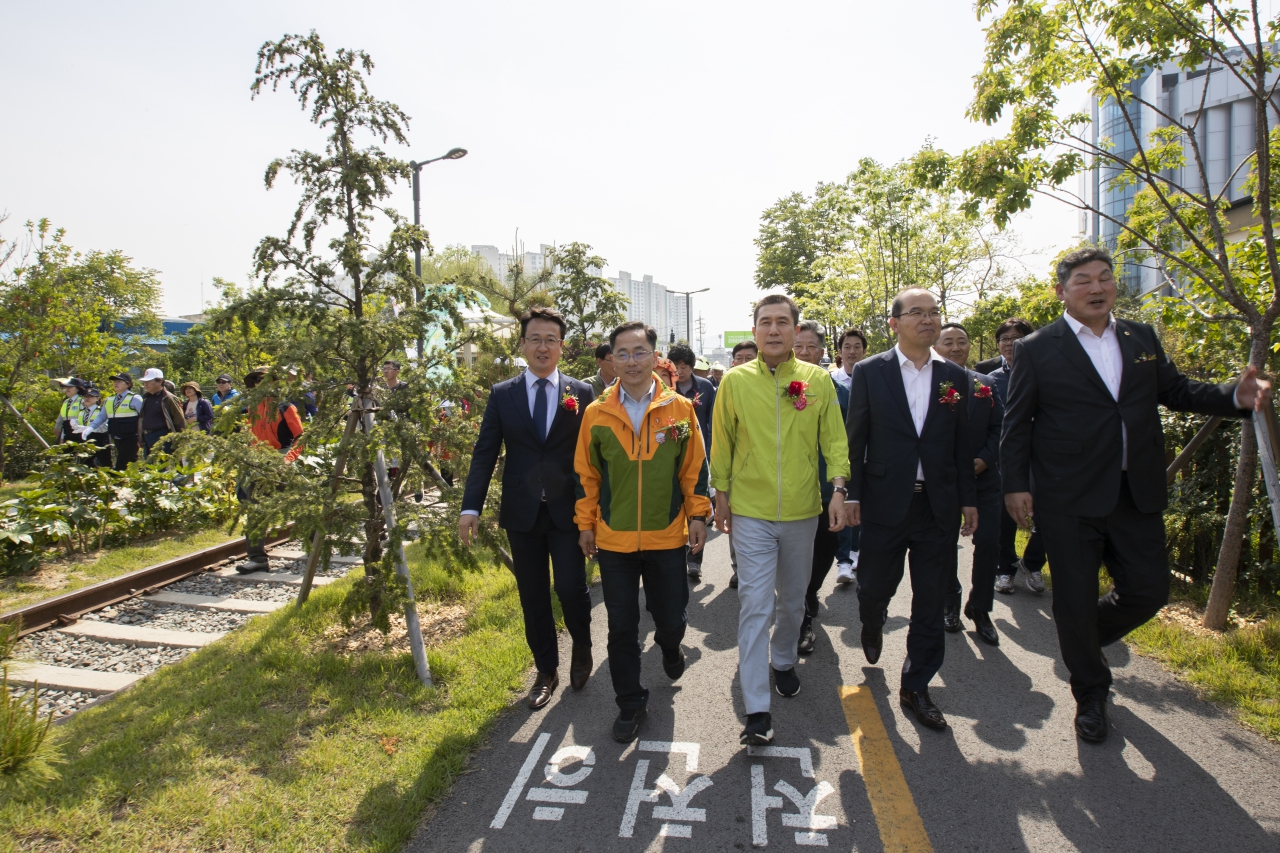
772, 418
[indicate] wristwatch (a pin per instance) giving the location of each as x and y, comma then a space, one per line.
701, 518
841, 489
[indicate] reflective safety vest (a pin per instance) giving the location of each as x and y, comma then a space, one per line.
123, 408
72, 409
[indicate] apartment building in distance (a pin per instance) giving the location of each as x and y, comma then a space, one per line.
651, 303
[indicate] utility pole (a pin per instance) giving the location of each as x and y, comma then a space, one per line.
453, 154
688, 311
702, 330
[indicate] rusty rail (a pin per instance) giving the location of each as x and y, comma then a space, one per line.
70, 606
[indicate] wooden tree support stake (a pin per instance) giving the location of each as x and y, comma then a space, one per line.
25, 422
402, 568
317, 538
1190, 450
1264, 425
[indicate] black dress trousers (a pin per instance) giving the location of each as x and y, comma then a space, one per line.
530, 552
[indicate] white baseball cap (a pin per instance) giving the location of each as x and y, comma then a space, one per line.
152, 374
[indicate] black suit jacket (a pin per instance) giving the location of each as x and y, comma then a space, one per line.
532, 467
988, 366
1062, 436
884, 448
985, 419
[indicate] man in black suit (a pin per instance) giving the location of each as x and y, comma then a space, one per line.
985, 413
1082, 437
999, 368
912, 480
536, 416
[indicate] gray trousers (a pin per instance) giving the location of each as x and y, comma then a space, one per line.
775, 559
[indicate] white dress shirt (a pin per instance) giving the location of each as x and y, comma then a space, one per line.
842, 377
918, 383
636, 408
553, 388
1107, 359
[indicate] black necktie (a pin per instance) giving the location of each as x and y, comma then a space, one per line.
540, 410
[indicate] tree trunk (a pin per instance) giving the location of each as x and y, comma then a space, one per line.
1224, 576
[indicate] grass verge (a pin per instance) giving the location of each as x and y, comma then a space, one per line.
276, 739
58, 576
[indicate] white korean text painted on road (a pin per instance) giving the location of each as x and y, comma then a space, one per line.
805, 817
679, 810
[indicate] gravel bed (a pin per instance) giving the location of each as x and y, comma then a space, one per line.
172, 617
211, 584
58, 649
59, 701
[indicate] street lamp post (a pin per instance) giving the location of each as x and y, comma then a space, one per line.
451, 154
688, 311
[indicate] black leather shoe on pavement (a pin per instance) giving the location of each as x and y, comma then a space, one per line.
543, 688
922, 706
733, 581
254, 565
786, 682
1091, 719
807, 638
627, 726
673, 663
982, 624
580, 666
951, 619
872, 643
759, 730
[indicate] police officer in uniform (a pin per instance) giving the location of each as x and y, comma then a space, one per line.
92, 427
121, 411
72, 409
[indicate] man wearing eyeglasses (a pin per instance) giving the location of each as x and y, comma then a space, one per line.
911, 479
536, 416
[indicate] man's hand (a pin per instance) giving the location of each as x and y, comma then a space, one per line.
697, 535
979, 466
1019, 506
587, 542
852, 514
723, 521
970, 520
468, 527
835, 512
1253, 393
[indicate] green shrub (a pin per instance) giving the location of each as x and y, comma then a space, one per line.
27, 755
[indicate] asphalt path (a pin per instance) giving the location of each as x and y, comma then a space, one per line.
849, 769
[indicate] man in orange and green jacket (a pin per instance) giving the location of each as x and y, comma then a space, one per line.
643, 494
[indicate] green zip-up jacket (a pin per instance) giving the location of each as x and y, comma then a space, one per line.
764, 450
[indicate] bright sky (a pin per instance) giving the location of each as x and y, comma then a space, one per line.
657, 132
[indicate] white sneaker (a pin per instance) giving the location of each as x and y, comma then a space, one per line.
695, 571
853, 556
846, 574
1034, 580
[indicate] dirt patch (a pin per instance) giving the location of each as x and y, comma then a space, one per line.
1188, 617
440, 623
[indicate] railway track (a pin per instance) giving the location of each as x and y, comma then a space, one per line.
85, 645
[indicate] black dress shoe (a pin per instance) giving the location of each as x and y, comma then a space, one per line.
1091, 719
951, 619
982, 624
922, 706
733, 581
673, 663
627, 727
543, 687
580, 666
872, 643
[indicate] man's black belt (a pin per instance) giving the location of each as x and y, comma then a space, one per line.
919, 485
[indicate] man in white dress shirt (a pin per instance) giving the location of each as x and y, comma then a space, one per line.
1082, 447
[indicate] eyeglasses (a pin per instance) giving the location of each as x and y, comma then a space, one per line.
638, 355
917, 313
1008, 339
539, 343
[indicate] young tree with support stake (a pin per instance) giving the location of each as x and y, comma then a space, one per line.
342, 314
1178, 220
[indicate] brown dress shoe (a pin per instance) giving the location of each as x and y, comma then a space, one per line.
543, 686
580, 666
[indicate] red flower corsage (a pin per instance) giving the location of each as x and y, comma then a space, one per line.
570, 402
948, 394
697, 399
796, 392
982, 392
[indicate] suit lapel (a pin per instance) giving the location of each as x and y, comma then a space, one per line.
891, 372
1073, 351
561, 387
520, 399
1128, 354
937, 376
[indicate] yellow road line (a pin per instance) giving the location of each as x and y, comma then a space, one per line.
901, 830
